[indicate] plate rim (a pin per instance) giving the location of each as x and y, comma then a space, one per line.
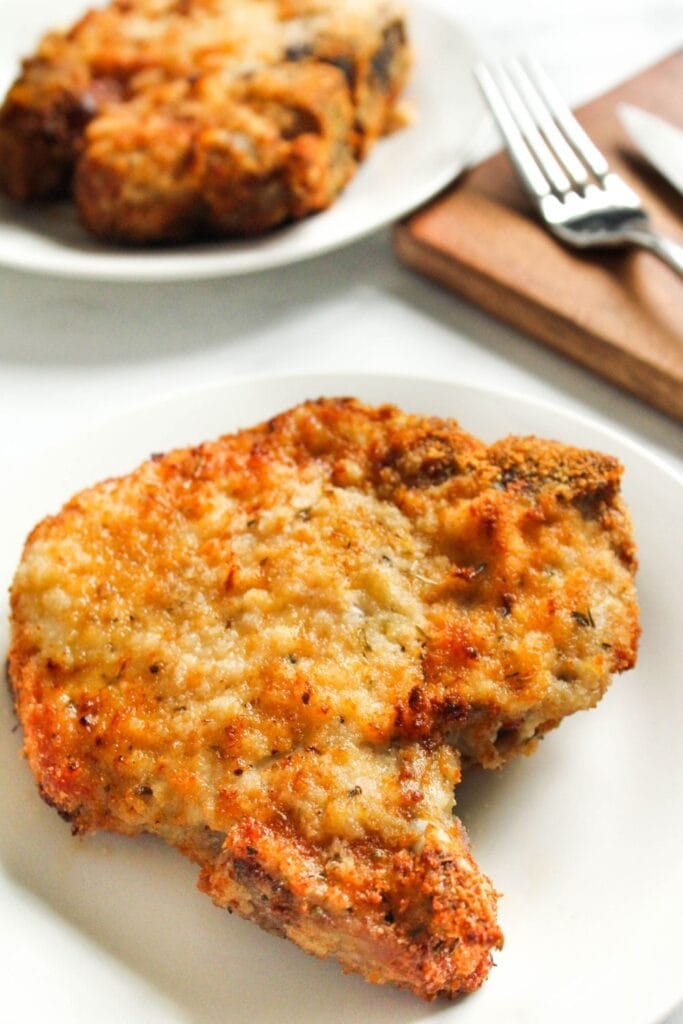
261, 377
127, 266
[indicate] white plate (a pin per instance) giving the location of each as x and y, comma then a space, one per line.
585, 839
402, 171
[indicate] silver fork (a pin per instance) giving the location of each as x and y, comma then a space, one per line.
578, 197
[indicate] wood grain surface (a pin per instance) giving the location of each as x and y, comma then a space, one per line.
618, 312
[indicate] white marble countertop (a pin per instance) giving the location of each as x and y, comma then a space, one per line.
72, 351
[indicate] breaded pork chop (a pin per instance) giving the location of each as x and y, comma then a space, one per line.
176, 119
272, 649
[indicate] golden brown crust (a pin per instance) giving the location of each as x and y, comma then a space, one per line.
192, 158
291, 632
421, 920
210, 117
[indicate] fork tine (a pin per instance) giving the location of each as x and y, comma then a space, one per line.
544, 120
530, 173
533, 138
578, 138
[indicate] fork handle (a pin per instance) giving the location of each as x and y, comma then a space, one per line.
669, 251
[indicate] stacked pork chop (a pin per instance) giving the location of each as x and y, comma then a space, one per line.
171, 120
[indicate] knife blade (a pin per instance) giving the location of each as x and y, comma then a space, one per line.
659, 141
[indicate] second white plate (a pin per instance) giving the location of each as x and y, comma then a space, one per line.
403, 170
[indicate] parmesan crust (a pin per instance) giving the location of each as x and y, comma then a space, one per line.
274, 649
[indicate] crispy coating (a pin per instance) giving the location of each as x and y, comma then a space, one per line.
272, 649
178, 119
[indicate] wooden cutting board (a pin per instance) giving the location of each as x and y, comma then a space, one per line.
618, 312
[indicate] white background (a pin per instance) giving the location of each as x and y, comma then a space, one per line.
74, 352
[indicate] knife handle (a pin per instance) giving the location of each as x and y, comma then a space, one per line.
667, 250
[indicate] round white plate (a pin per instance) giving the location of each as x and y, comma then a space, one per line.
585, 839
402, 171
